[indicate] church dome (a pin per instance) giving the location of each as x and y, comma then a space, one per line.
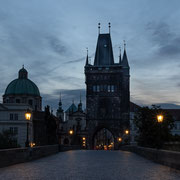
22, 85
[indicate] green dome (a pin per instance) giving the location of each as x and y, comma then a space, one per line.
22, 85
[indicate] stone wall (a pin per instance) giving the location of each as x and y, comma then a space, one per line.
20, 155
165, 157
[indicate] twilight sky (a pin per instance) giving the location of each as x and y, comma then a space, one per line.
50, 38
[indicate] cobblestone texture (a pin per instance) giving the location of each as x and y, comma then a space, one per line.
90, 165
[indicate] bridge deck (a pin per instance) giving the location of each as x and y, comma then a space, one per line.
90, 165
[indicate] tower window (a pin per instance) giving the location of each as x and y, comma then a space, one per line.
94, 88
98, 89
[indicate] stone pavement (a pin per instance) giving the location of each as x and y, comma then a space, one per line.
90, 165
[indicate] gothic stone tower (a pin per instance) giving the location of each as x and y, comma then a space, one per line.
107, 92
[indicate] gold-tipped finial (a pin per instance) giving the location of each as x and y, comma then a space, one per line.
109, 27
99, 27
124, 45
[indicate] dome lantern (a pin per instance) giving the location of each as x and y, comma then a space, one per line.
23, 74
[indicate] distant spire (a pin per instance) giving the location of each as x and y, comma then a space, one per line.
119, 54
87, 58
73, 101
23, 66
99, 27
109, 27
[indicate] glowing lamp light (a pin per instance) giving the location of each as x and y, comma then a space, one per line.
126, 131
120, 139
71, 132
160, 118
84, 138
28, 115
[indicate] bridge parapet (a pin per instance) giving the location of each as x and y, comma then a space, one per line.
20, 155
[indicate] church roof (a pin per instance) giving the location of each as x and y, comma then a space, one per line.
72, 108
104, 51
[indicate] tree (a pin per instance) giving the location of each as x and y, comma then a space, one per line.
151, 133
7, 140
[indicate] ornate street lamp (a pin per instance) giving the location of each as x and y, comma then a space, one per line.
71, 132
28, 117
120, 139
160, 118
126, 132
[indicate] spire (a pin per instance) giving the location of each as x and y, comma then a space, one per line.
125, 59
104, 51
87, 58
119, 55
60, 105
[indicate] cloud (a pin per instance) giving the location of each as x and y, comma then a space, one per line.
167, 41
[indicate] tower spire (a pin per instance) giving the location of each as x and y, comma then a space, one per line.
125, 59
87, 58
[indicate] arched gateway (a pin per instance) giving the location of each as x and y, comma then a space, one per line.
107, 95
103, 139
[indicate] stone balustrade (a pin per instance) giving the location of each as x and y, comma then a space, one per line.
20, 155
165, 157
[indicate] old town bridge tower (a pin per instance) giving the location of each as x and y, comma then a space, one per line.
107, 96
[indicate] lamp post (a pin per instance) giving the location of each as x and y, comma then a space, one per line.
28, 117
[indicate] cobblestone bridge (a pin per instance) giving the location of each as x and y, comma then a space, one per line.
90, 165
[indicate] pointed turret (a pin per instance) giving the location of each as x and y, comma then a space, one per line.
125, 59
60, 105
87, 58
80, 105
60, 111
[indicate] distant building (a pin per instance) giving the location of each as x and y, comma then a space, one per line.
22, 94
72, 128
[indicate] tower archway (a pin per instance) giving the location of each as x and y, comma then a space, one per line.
103, 139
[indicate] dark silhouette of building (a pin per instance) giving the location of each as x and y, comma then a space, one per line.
107, 93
